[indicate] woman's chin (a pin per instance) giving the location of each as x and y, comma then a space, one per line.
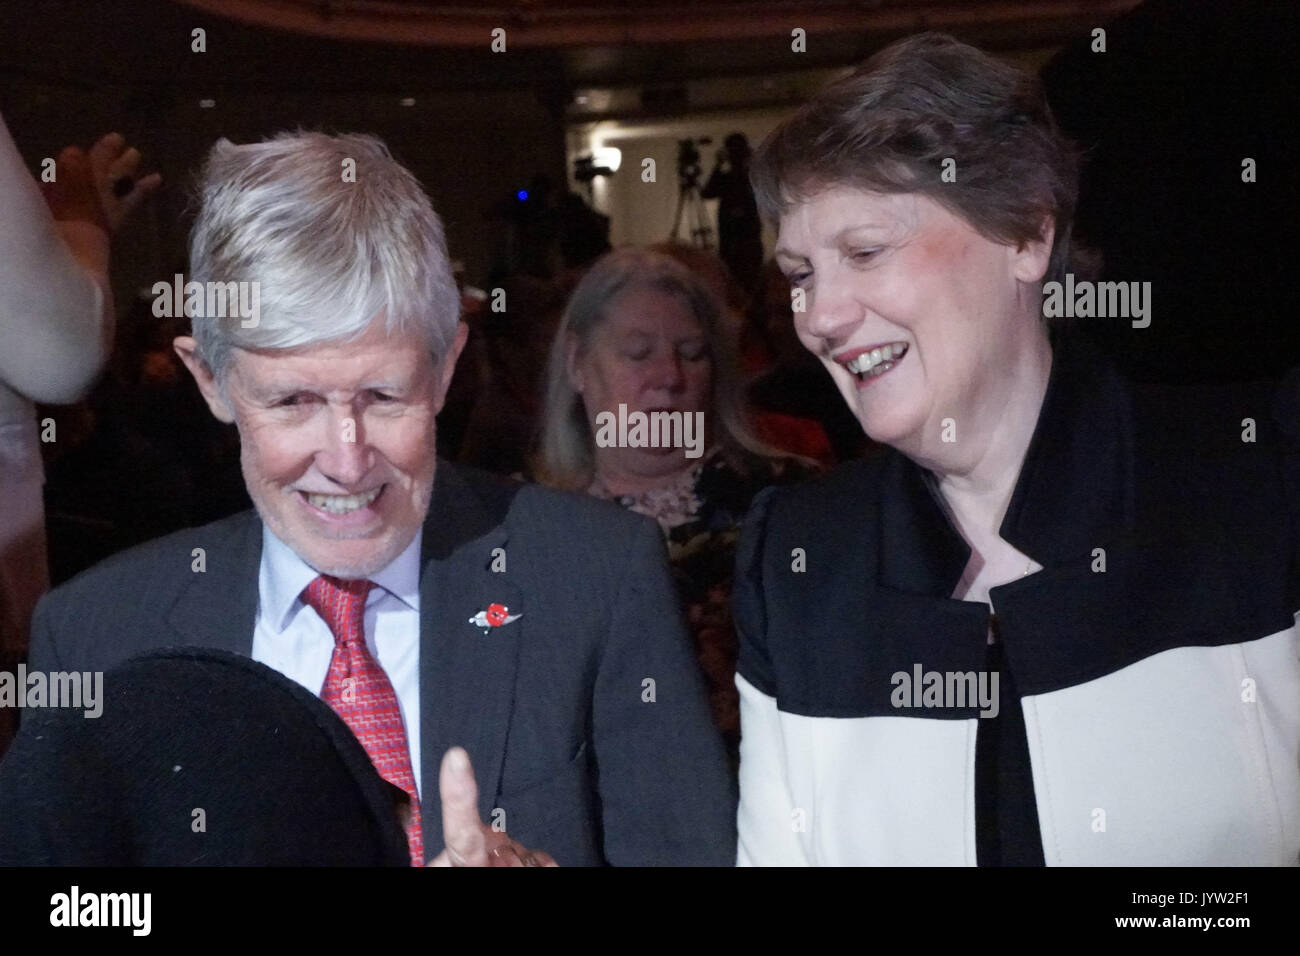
652, 462
897, 431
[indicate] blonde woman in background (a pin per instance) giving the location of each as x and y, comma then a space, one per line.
643, 331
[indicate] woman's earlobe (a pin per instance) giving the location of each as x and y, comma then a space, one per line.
1034, 257
1032, 260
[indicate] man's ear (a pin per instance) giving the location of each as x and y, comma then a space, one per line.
187, 349
447, 364
1031, 259
573, 367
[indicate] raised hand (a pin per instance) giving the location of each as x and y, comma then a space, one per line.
469, 841
99, 187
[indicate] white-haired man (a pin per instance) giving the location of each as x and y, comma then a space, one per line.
434, 608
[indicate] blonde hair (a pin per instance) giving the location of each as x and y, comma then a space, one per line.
566, 457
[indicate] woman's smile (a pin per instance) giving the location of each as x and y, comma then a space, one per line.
869, 364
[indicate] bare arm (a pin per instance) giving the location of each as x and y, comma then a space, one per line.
56, 307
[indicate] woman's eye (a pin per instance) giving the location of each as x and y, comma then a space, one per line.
692, 352
382, 396
862, 255
637, 355
797, 279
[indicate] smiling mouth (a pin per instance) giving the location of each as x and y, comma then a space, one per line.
877, 361
343, 504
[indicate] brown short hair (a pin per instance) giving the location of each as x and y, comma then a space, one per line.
889, 125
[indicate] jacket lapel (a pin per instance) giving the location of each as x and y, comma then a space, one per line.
467, 672
218, 606
1075, 490
1074, 494
919, 551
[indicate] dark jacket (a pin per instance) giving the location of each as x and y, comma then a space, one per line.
1155, 659
589, 761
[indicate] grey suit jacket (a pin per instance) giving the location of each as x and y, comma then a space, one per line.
585, 719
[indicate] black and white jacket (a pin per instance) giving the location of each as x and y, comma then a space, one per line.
1156, 657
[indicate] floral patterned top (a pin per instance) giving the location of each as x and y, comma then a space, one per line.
700, 513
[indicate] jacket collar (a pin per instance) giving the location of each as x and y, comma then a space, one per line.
1074, 492
1076, 488
217, 607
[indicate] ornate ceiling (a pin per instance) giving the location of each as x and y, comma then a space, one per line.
558, 49
557, 23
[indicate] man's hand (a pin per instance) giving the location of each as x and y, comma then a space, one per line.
470, 842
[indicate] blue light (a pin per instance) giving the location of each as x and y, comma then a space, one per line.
523, 195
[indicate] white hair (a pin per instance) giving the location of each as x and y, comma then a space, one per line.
333, 230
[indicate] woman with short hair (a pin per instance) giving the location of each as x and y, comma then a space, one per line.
1054, 622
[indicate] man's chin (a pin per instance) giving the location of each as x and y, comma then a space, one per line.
340, 551
350, 567
349, 572
349, 557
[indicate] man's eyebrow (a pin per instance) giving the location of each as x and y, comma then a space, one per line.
277, 389
281, 389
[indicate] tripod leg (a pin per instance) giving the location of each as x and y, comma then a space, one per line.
677, 216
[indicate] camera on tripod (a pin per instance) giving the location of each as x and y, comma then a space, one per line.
688, 161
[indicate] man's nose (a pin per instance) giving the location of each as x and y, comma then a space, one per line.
344, 457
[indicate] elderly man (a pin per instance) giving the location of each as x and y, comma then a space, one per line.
435, 609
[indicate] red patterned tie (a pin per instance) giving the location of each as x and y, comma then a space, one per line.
358, 690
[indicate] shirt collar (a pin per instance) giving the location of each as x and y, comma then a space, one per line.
284, 575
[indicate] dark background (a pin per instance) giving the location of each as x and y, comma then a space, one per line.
1185, 90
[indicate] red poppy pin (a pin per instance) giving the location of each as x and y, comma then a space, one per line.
494, 616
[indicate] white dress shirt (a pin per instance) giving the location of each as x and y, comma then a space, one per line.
292, 638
